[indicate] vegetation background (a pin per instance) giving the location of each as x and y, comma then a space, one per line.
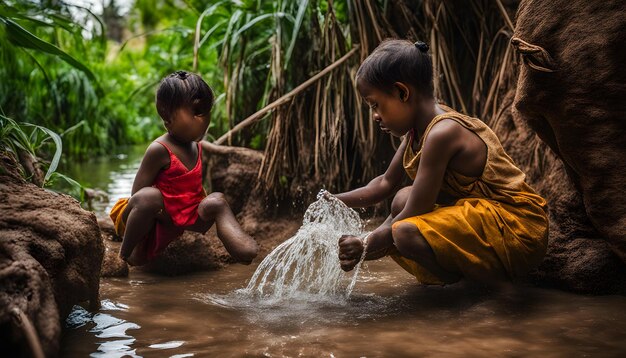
85, 75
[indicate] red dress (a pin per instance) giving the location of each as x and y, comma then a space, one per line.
182, 193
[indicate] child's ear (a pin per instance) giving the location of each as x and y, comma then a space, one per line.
403, 90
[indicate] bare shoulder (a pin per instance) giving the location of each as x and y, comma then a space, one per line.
157, 154
444, 133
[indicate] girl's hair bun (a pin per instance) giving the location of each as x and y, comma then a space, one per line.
397, 60
182, 75
422, 46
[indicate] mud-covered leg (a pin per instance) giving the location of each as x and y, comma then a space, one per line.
237, 242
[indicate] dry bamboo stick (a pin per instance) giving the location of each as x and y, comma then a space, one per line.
285, 98
505, 15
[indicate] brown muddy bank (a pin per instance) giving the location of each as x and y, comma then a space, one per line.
50, 256
563, 123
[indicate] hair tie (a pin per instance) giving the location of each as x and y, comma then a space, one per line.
181, 74
422, 46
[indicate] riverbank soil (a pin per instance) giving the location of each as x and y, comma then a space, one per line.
566, 130
50, 257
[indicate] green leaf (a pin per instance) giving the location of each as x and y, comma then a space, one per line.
296, 29
57, 153
74, 127
253, 22
21, 37
217, 26
73, 184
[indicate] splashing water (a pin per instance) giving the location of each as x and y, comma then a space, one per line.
307, 265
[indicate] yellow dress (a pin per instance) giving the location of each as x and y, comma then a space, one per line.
497, 230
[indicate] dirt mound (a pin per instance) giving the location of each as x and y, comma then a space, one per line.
571, 92
579, 258
25, 288
234, 172
191, 252
49, 247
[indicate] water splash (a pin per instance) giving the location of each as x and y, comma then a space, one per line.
307, 266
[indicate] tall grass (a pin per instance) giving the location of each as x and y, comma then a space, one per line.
325, 136
60, 74
25, 142
253, 52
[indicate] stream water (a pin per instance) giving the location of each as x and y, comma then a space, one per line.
387, 315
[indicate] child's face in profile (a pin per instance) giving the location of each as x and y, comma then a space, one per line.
393, 114
187, 126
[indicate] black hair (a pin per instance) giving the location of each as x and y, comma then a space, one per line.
183, 89
399, 61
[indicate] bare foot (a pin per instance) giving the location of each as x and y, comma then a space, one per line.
244, 252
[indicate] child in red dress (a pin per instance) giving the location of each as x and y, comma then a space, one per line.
167, 196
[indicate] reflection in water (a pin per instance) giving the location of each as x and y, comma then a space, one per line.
167, 345
117, 348
105, 327
113, 174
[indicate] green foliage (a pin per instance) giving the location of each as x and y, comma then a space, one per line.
15, 138
61, 71
42, 81
22, 38
26, 141
57, 71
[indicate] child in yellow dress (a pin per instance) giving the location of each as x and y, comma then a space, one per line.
469, 212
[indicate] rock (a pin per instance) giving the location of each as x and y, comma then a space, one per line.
578, 258
49, 247
107, 229
113, 265
191, 252
233, 171
25, 286
571, 92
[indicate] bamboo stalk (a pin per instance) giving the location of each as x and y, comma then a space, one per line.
374, 22
285, 98
505, 15
196, 42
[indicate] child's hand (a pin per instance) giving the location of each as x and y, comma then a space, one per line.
350, 251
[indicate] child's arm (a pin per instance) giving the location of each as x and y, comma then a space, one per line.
441, 144
381, 187
155, 159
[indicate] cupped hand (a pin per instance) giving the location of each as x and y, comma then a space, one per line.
350, 251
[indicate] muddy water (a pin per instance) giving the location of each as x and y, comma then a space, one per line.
112, 175
388, 314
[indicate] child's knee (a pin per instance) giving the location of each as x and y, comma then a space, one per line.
147, 199
399, 201
407, 239
212, 204
396, 206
